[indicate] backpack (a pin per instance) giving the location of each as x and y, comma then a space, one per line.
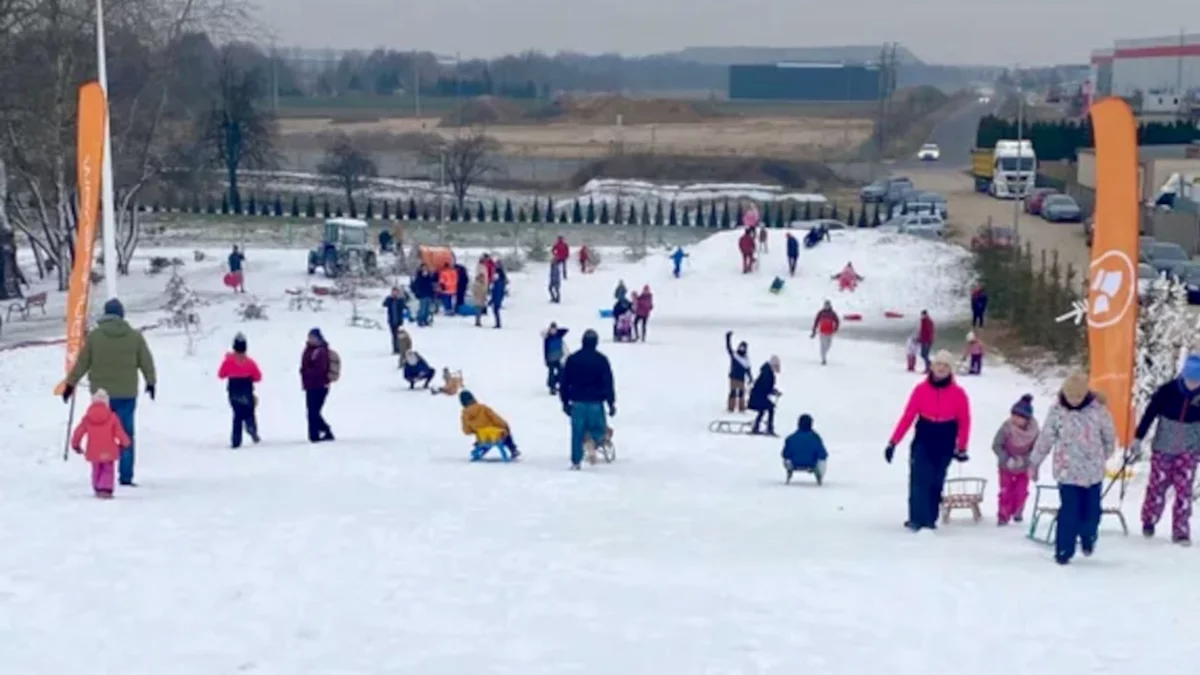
335, 366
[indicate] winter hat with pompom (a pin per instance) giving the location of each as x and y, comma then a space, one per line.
1024, 407
100, 396
944, 358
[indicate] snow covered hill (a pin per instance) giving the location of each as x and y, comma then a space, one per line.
387, 552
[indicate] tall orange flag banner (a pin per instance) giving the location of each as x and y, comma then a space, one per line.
89, 153
1112, 279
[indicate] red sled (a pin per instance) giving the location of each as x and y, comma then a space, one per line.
852, 317
893, 315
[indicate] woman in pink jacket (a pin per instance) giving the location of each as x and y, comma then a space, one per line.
643, 304
943, 415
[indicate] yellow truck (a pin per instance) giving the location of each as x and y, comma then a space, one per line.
1007, 171
982, 168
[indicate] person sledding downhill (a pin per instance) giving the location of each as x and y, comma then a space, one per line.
762, 397
554, 350
942, 413
485, 425
805, 451
747, 247
106, 437
816, 235
848, 279
622, 318
826, 324
242, 373
739, 373
417, 369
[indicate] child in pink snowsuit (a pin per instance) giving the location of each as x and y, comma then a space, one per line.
105, 438
1013, 444
974, 352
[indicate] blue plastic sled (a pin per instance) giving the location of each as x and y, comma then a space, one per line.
481, 449
606, 314
467, 310
777, 285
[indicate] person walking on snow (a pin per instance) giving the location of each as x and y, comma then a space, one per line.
762, 396
461, 281
826, 323
241, 373
1080, 432
586, 265
677, 261
554, 350
642, 306
739, 373
112, 356
793, 253
587, 385
555, 283
236, 261
1013, 444
423, 287
911, 349
746, 246
925, 336
1174, 452
499, 291
396, 304
479, 296
105, 437
979, 303
973, 354
562, 253
319, 368
762, 239
620, 293
942, 413
477, 417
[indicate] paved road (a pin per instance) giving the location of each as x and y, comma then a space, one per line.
955, 135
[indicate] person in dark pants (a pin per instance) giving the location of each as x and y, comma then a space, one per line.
761, 396
424, 285
111, 357
793, 253
396, 304
241, 373
555, 286
554, 349
587, 385
926, 332
464, 280
942, 413
237, 260
979, 303
316, 368
499, 290
1080, 432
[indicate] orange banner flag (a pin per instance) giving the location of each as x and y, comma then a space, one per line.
1112, 280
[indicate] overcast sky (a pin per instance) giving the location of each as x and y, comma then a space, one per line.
1030, 32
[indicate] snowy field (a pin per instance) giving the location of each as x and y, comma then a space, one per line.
387, 552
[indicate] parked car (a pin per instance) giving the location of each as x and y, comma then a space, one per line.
995, 236
942, 206
1164, 256
829, 223
874, 192
916, 206
1147, 275
898, 189
1189, 274
1033, 203
916, 221
1061, 209
930, 152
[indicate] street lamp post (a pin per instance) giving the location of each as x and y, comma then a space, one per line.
1019, 202
108, 221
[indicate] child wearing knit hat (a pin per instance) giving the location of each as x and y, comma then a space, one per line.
1012, 444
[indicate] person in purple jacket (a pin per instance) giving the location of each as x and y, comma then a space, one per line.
316, 374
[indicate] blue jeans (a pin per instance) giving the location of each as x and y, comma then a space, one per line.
424, 306
124, 408
586, 419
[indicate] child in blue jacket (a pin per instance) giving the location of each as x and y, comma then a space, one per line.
805, 451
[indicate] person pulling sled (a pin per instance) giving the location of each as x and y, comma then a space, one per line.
762, 397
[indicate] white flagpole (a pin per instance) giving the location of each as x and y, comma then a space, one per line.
108, 221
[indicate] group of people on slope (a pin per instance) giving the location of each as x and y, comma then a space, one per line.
631, 313
1078, 433
560, 254
754, 242
763, 391
447, 289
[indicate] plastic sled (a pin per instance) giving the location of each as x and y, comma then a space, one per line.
467, 310
1043, 525
606, 314
893, 315
817, 471
736, 427
777, 285
852, 317
481, 449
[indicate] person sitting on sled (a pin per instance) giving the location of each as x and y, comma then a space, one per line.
417, 369
804, 450
815, 235
973, 354
485, 425
452, 382
848, 279
622, 316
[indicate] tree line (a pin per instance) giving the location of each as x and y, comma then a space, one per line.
1060, 140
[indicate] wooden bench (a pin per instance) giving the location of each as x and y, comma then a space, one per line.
23, 307
965, 494
1042, 510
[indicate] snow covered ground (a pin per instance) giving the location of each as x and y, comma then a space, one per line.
387, 552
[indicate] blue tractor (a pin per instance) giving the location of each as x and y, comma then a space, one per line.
345, 249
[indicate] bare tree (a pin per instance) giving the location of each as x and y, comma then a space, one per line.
10, 274
464, 160
236, 131
348, 165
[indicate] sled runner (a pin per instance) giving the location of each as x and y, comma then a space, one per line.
817, 471
736, 427
605, 449
481, 449
1049, 514
963, 494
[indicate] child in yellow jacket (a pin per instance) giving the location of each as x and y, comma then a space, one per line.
484, 424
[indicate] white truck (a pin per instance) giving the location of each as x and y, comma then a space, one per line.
1014, 169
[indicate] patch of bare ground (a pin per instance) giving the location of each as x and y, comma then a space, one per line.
1036, 362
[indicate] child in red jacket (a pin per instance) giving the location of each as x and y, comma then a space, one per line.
105, 437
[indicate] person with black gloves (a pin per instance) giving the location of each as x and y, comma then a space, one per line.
586, 386
762, 397
942, 412
739, 373
112, 356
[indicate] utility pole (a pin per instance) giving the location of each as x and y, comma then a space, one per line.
458, 87
416, 85
1019, 202
274, 79
881, 80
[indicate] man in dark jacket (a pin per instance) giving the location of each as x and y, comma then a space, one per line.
237, 260
396, 305
499, 290
553, 348
979, 303
793, 253
423, 286
587, 384
925, 336
460, 291
111, 358
761, 396
314, 376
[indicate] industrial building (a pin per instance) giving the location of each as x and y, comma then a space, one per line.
1161, 76
1156, 165
807, 82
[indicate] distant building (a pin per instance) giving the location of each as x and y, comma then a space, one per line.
807, 82
1160, 76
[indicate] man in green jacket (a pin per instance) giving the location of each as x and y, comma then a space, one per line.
111, 358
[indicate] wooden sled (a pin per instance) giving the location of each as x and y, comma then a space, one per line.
1048, 513
735, 427
605, 450
963, 494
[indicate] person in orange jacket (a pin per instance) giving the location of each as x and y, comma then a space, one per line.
476, 417
448, 285
105, 437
